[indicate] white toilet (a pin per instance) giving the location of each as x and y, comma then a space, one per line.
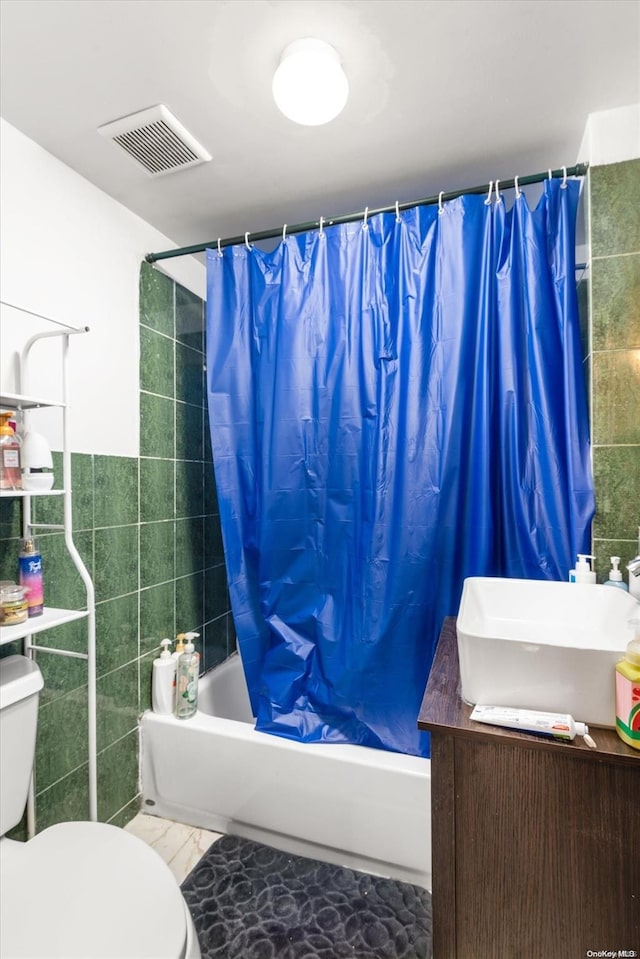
77, 890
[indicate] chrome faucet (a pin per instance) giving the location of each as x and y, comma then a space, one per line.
633, 567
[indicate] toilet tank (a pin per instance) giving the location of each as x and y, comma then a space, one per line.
20, 685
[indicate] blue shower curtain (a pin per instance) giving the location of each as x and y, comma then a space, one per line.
393, 407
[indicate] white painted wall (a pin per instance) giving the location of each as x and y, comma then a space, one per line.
611, 136
71, 252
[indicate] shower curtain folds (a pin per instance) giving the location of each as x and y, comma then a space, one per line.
392, 409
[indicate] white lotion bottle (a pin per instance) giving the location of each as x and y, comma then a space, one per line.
583, 572
163, 685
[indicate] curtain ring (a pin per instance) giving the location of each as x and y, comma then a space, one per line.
219, 250
246, 241
515, 183
284, 233
321, 233
487, 202
398, 217
498, 197
563, 185
365, 225
440, 206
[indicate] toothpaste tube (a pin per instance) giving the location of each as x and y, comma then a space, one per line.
552, 725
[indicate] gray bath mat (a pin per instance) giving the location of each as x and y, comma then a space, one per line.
249, 901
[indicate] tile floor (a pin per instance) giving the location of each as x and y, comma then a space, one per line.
180, 846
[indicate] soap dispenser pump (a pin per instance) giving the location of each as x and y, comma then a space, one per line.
615, 575
179, 650
583, 572
191, 638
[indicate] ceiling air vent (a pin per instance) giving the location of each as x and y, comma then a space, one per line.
156, 140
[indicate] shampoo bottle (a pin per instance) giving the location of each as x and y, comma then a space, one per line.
187, 682
628, 692
163, 681
30, 567
615, 575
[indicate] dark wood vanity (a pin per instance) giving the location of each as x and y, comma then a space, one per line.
536, 843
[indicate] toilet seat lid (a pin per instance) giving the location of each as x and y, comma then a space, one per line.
86, 889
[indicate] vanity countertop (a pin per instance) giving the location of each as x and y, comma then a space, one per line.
443, 709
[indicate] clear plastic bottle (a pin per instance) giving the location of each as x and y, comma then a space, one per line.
187, 683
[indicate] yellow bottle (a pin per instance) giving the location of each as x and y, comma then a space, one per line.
628, 693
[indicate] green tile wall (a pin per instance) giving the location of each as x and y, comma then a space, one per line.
182, 569
149, 533
614, 359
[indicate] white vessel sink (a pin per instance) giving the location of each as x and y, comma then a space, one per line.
542, 645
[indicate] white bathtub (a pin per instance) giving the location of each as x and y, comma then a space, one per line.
363, 808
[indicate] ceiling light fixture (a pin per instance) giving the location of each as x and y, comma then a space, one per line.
310, 86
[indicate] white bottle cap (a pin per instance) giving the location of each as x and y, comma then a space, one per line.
581, 729
614, 573
165, 654
582, 566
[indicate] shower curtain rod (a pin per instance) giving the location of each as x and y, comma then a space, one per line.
579, 169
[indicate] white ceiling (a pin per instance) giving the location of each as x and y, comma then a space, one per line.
444, 94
